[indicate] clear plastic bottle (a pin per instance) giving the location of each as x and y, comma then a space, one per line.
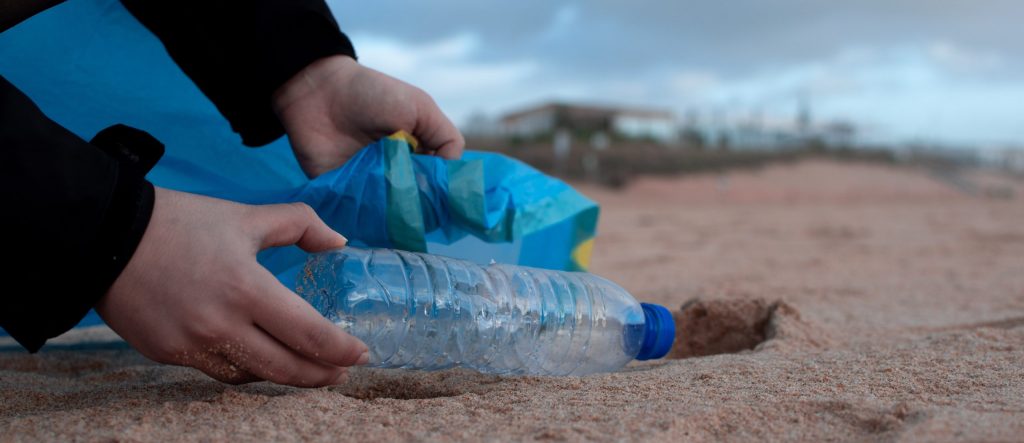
422, 311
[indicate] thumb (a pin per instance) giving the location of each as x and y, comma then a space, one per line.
295, 224
436, 131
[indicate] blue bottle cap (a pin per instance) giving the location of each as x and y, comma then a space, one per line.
659, 332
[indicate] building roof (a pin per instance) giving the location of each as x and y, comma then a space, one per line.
586, 112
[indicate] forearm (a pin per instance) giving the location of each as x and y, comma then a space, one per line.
238, 52
13, 12
75, 214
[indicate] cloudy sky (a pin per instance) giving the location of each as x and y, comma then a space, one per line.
927, 70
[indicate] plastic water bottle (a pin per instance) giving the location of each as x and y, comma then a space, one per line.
422, 311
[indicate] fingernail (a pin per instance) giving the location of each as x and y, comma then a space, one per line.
364, 358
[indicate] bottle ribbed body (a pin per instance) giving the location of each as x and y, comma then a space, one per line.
430, 312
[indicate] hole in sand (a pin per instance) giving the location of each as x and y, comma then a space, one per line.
398, 392
371, 384
709, 327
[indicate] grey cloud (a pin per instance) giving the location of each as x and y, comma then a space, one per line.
761, 55
729, 37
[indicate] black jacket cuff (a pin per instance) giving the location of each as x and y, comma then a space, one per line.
131, 204
124, 223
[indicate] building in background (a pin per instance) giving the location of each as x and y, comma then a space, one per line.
602, 125
1009, 159
479, 124
759, 132
583, 120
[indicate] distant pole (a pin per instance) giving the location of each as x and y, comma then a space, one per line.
561, 146
803, 115
599, 141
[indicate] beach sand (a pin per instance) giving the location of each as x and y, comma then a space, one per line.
814, 301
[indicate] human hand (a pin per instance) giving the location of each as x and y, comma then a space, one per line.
194, 295
335, 106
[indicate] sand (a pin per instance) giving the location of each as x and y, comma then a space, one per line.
815, 301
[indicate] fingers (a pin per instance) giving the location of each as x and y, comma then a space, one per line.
293, 322
435, 131
294, 224
262, 356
